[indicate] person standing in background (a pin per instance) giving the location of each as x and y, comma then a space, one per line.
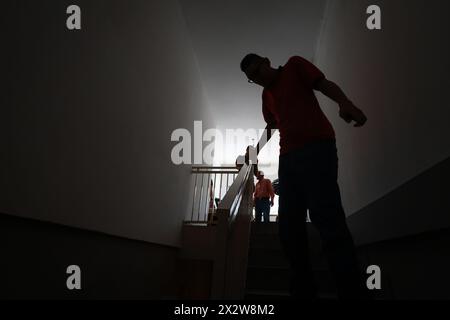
263, 198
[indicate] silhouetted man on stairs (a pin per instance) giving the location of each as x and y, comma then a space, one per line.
308, 169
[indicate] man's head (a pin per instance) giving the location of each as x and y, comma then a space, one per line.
260, 175
257, 69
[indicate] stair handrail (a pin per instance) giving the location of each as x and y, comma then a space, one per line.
232, 241
229, 205
225, 239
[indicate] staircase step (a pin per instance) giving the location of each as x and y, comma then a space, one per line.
265, 235
265, 250
267, 257
267, 295
325, 283
265, 241
268, 272
327, 296
268, 278
282, 295
277, 278
264, 228
318, 261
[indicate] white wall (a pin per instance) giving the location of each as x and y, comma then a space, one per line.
90, 114
398, 77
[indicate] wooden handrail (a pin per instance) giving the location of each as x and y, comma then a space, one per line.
226, 241
230, 203
233, 231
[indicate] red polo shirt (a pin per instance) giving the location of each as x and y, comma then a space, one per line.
264, 189
290, 103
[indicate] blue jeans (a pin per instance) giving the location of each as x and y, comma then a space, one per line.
262, 209
308, 180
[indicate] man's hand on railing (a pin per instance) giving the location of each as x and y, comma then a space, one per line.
251, 155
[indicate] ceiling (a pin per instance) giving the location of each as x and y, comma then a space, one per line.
222, 32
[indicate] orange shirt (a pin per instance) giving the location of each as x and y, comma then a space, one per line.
264, 189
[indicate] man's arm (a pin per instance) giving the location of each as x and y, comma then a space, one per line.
347, 110
331, 90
